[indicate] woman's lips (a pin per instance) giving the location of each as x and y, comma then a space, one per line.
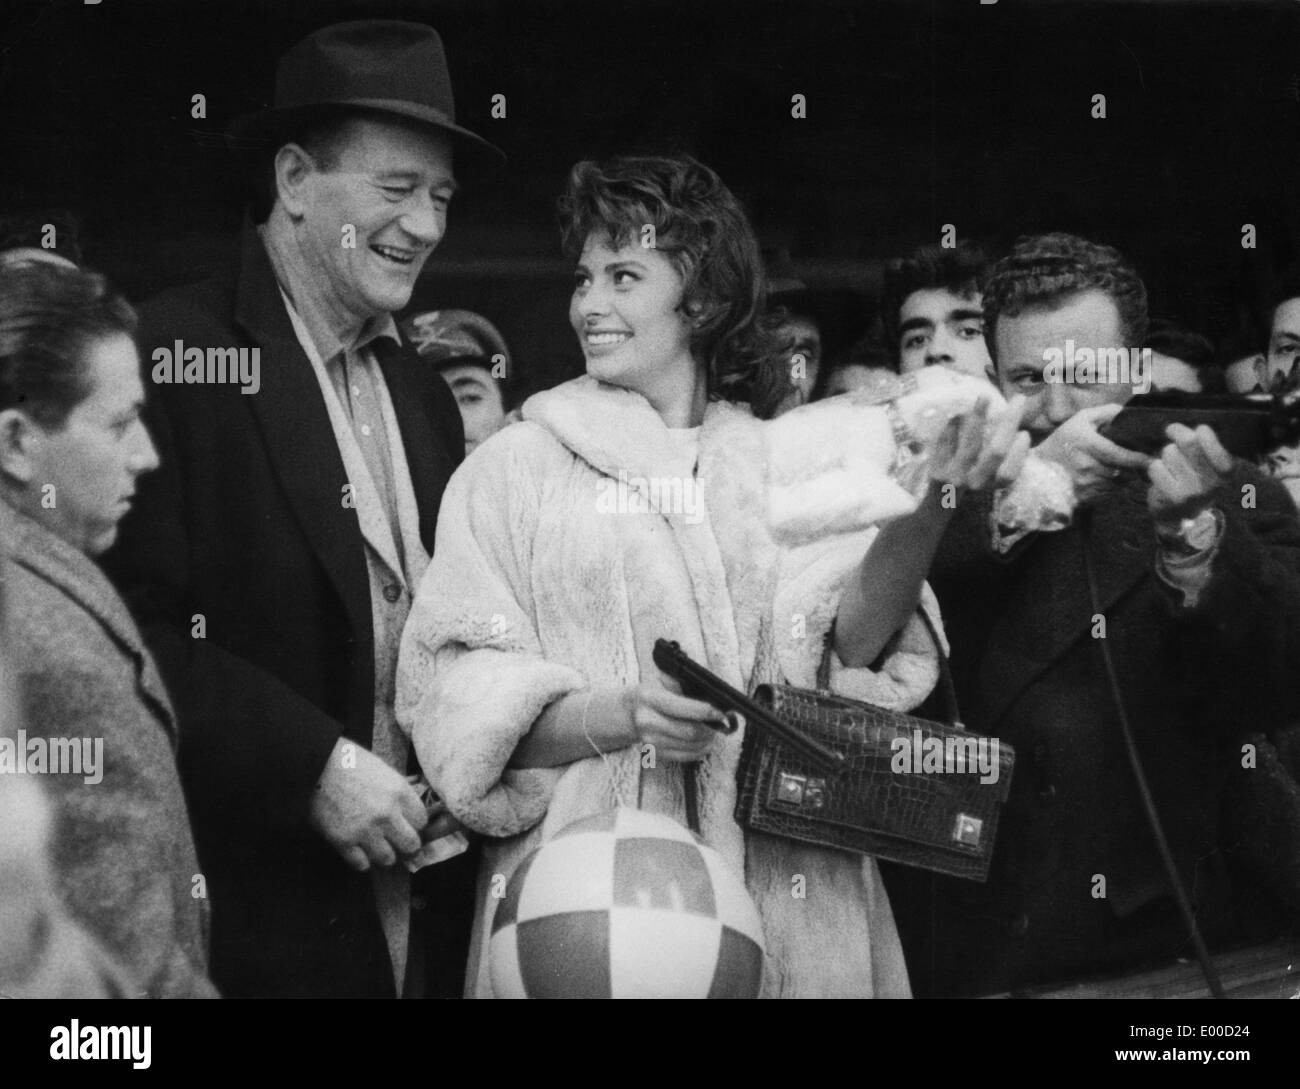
604, 342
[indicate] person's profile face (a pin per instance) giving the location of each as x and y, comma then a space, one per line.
1283, 341
479, 399
804, 354
1089, 319
624, 310
940, 327
369, 225
85, 470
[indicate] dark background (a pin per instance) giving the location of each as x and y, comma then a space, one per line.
919, 114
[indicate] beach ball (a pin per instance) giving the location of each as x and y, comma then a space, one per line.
625, 904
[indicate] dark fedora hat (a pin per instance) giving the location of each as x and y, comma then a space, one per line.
382, 65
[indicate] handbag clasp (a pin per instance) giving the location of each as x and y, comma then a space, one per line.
801, 791
967, 830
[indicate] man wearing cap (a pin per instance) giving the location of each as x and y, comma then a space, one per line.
271, 561
814, 325
472, 357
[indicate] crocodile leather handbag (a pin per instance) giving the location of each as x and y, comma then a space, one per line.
836, 772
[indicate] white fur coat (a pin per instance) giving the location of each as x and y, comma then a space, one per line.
538, 588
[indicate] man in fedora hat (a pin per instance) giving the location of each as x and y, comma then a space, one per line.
273, 559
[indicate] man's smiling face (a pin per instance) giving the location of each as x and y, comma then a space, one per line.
391, 184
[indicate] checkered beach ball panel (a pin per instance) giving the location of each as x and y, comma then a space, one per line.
625, 904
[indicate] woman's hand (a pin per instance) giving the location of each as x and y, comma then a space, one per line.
670, 722
978, 450
605, 720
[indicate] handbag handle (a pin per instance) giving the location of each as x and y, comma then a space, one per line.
951, 714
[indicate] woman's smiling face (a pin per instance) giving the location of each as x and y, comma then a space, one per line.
625, 312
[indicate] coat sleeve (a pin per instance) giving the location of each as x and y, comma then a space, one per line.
112, 848
472, 677
810, 583
43, 953
846, 463
906, 670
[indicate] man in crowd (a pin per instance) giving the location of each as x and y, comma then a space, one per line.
1279, 372
273, 558
813, 325
932, 310
868, 364
1182, 359
1186, 568
472, 357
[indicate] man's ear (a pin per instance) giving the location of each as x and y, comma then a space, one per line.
293, 170
18, 438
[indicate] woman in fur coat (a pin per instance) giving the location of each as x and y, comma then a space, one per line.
636, 503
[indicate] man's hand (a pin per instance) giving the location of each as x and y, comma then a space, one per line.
1186, 474
441, 823
367, 811
1093, 461
977, 450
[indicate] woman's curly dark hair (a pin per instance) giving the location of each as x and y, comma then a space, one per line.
699, 226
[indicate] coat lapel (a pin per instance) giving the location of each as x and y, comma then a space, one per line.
428, 463
299, 439
1049, 609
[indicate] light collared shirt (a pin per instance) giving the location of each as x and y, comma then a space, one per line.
370, 443
351, 368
